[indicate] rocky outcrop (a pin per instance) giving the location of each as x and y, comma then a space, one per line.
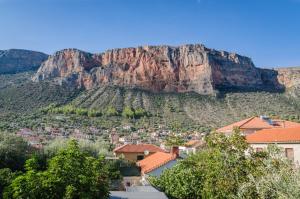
14, 60
159, 68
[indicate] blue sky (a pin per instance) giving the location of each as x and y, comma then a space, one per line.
268, 31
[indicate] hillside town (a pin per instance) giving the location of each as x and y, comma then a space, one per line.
148, 151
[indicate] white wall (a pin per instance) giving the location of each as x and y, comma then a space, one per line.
295, 146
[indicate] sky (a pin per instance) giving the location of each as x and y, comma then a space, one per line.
267, 31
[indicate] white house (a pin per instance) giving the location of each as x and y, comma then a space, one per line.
286, 138
191, 147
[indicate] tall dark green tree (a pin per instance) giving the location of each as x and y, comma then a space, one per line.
70, 174
13, 151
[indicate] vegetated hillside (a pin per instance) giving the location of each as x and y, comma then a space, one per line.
21, 100
18, 94
18, 60
191, 108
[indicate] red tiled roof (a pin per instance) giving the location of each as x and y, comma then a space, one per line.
138, 148
275, 135
258, 123
194, 143
155, 161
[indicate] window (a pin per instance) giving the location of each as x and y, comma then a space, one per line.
140, 157
289, 153
259, 149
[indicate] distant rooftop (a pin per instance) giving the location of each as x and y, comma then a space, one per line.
259, 123
138, 148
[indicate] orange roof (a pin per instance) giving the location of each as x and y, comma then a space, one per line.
258, 123
275, 135
193, 143
155, 161
138, 148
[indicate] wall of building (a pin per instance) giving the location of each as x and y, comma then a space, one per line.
295, 146
131, 156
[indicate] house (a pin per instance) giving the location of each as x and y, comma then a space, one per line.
253, 124
286, 138
155, 164
135, 152
191, 147
24, 133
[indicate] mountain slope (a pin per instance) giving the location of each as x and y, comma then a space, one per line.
192, 108
16, 60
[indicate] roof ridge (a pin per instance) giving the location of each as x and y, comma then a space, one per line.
172, 157
120, 147
248, 120
163, 163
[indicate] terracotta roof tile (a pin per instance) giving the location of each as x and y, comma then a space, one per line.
258, 123
155, 161
138, 148
275, 135
194, 143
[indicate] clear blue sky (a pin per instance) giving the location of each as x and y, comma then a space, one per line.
268, 31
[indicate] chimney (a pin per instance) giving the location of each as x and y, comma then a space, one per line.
175, 151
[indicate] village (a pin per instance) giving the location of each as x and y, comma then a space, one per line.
149, 153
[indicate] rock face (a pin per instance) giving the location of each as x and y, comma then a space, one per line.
160, 68
14, 60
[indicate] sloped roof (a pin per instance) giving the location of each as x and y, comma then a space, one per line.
194, 143
275, 135
258, 123
155, 161
138, 148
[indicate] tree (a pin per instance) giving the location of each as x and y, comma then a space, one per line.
6, 177
174, 140
224, 170
70, 174
111, 111
128, 112
13, 151
140, 112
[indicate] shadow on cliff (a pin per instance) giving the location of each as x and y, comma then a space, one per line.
270, 84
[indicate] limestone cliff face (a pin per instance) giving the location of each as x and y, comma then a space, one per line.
15, 60
157, 68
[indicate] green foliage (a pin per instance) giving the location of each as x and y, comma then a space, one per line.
174, 140
70, 174
140, 112
274, 177
224, 170
13, 151
6, 177
93, 148
111, 111
128, 112
94, 113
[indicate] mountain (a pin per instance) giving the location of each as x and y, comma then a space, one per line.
16, 60
190, 84
160, 68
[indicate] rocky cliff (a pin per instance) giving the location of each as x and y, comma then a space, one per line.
161, 68
15, 60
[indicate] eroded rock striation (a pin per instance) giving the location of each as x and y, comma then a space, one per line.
16, 60
160, 68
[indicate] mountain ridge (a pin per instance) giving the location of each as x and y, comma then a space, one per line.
20, 60
186, 68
